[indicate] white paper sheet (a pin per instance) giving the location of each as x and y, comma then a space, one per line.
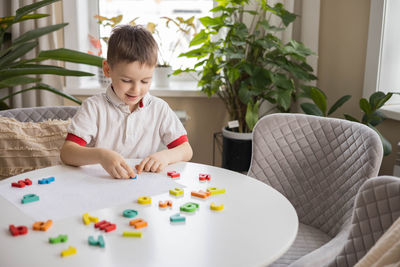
92, 189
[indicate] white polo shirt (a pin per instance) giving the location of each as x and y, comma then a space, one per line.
105, 121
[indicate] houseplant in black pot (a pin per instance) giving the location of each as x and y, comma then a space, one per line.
247, 64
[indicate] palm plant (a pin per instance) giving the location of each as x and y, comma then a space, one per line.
15, 71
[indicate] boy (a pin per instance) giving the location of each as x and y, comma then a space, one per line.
126, 121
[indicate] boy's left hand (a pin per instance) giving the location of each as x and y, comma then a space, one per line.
153, 163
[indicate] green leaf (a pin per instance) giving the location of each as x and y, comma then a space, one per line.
252, 115
364, 105
200, 38
198, 53
209, 21
374, 119
46, 87
382, 101
72, 56
319, 99
280, 11
311, 109
18, 80
387, 146
284, 98
3, 105
233, 74
339, 103
350, 118
40, 69
30, 8
36, 33
17, 52
7, 21
374, 99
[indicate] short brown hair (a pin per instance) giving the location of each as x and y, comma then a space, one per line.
129, 43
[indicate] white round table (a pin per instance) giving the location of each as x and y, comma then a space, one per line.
256, 226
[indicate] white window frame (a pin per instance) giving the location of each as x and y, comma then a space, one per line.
378, 35
79, 14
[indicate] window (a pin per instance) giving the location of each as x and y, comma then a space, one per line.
80, 16
383, 56
171, 41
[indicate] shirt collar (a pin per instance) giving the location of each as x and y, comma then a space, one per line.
114, 99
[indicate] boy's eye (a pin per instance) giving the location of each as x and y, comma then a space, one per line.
145, 82
125, 81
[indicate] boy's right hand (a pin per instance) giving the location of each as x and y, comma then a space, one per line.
115, 164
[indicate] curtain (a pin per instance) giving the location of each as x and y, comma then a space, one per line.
50, 41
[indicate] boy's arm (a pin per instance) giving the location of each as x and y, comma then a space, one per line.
158, 161
77, 155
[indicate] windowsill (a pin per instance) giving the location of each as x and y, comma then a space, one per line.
175, 89
391, 111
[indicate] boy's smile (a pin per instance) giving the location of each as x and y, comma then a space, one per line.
130, 81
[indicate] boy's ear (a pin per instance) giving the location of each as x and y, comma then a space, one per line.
106, 68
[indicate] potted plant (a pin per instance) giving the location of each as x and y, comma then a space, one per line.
15, 71
185, 29
247, 64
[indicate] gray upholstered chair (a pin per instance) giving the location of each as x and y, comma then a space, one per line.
376, 208
37, 114
318, 164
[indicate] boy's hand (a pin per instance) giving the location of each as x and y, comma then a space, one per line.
153, 163
115, 164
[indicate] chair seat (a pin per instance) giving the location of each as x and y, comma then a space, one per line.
307, 240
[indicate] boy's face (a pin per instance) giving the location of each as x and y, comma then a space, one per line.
131, 81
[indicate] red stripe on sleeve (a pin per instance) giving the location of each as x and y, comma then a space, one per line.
178, 141
75, 139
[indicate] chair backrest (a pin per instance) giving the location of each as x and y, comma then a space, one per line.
377, 207
317, 163
38, 114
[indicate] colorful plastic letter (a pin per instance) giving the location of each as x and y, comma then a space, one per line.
22, 183
176, 191
177, 218
173, 174
42, 226
215, 207
19, 230
68, 252
203, 177
134, 178
129, 213
58, 239
132, 234
138, 223
164, 204
29, 198
189, 207
144, 200
106, 226
201, 194
87, 219
215, 190
46, 180
99, 242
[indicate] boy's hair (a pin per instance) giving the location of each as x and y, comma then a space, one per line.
131, 43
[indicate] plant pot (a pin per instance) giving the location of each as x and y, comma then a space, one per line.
161, 76
103, 80
236, 150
